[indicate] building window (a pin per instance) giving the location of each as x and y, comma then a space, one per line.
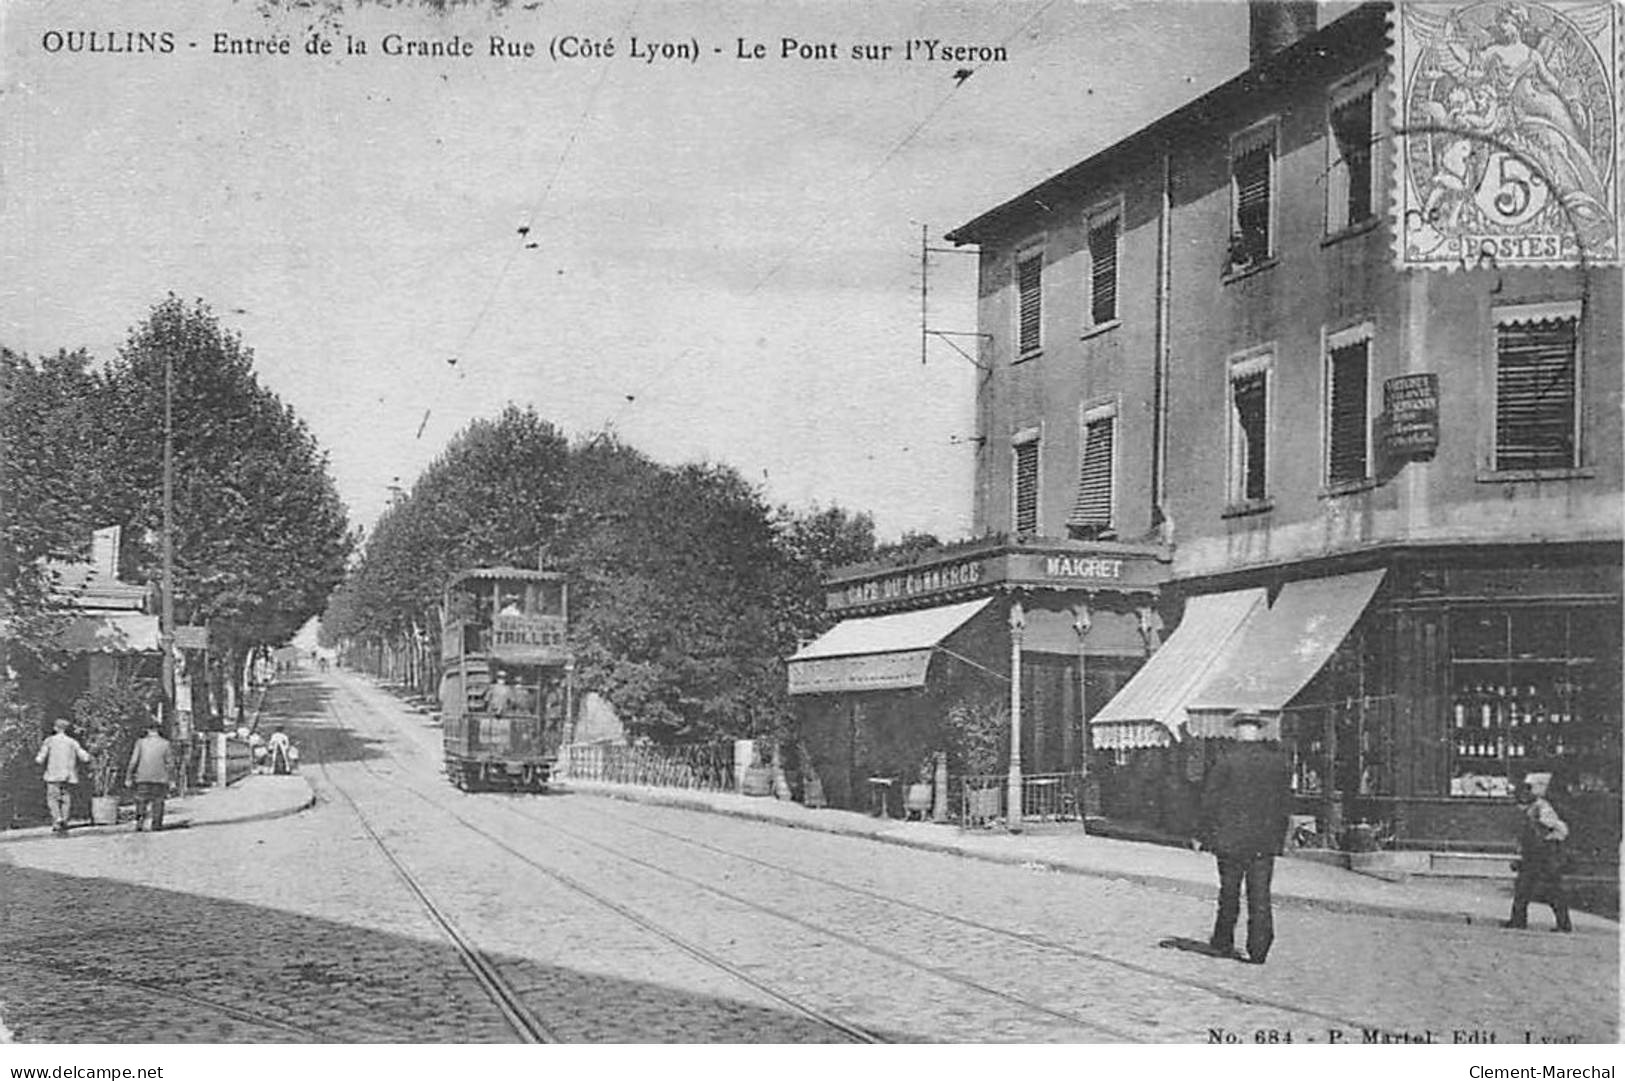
1105, 231
1348, 409
1249, 431
1534, 690
1252, 183
1536, 375
1349, 150
1030, 300
1024, 490
1091, 517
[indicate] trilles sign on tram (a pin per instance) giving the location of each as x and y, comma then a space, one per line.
523, 639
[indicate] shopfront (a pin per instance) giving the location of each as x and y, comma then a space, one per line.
918, 648
1413, 691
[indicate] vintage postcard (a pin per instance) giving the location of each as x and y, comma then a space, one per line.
1008, 524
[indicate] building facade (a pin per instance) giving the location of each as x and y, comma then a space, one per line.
1390, 499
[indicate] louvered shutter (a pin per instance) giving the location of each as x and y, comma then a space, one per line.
1093, 506
1029, 286
1351, 190
1252, 179
1346, 426
1248, 393
1026, 500
1103, 272
1534, 395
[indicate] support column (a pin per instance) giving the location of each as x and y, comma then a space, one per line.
1081, 622
1018, 626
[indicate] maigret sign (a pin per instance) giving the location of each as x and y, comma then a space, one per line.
1121, 568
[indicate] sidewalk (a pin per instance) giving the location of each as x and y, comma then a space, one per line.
1298, 882
255, 797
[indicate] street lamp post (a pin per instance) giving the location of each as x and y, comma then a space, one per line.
1018, 625
166, 617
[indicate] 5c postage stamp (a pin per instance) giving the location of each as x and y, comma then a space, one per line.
1508, 133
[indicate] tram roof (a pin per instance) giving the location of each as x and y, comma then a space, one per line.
523, 574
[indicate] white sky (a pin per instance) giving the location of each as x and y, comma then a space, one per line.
734, 245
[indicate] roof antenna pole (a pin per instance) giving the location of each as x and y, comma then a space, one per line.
924, 269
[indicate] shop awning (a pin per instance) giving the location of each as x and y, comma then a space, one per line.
877, 653
111, 632
1282, 647
1150, 708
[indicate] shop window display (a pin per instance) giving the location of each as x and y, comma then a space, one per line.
1534, 689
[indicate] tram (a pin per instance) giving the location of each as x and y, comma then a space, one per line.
505, 694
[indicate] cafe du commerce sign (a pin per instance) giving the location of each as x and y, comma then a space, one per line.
1017, 567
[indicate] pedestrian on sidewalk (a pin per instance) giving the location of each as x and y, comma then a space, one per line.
1245, 806
277, 747
1541, 833
149, 772
60, 754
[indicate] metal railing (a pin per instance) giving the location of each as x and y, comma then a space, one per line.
705, 767
981, 801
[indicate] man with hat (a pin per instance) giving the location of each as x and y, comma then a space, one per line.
1541, 834
60, 754
149, 770
1246, 801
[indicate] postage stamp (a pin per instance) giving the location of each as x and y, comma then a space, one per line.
1507, 127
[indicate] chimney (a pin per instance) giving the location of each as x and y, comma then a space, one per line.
104, 552
1273, 25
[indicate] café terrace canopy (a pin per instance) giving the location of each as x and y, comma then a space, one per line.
1281, 649
877, 653
1149, 710
112, 633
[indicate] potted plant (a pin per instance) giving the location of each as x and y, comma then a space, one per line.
110, 718
977, 731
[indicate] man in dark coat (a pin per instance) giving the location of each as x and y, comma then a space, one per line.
1245, 804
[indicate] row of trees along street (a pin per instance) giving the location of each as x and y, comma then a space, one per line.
260, 535
687, 589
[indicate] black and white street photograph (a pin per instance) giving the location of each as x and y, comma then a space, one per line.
991, 522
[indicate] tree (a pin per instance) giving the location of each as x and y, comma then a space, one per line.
686, 591
260, 535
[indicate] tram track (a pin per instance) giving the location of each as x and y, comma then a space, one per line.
492, 980
1025, 937
525, 1025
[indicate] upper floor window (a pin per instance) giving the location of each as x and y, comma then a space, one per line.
1029, 302
1252, 186
1348, 406
1105, 232
1537, 421
1248, 480
1349, 170
1024, 487
1091, 516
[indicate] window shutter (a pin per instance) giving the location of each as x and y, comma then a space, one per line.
1029, 286
1534, 395
1346, 426
1103, 272
1248, 394
1252, 178
1093, 506
1351, 128
1026, 501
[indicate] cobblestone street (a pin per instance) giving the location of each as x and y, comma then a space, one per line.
618, 922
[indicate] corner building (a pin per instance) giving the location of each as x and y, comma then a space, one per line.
1390, 499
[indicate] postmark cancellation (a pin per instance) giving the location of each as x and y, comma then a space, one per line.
1507, 125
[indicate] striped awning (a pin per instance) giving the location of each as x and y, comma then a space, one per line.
877, 653
1150, 709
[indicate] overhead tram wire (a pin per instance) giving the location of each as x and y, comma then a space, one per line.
527, 227
960, 78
